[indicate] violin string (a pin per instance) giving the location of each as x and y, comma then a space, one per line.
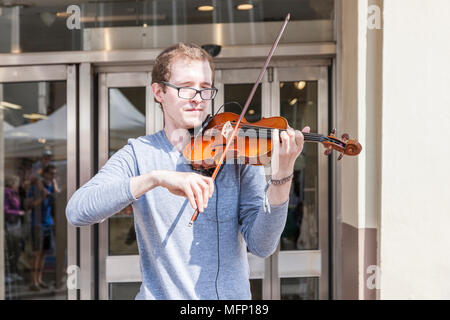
269, 129
308, 136
245, 126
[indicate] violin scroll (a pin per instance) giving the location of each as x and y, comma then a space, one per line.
345, 145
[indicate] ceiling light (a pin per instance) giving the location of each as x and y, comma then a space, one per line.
34, 116
293, 101
121, 18
205, 8
245, 6
63, 14
10, 105
19, 134
300, 85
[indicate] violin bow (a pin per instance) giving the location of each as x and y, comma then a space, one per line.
247, 103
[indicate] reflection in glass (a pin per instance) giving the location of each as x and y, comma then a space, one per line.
298, 102
239, 93
129, 290
126, 120
299, 288
124, 290
50, 26
35, 189
256, 288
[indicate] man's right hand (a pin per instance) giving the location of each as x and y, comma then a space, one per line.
197, 188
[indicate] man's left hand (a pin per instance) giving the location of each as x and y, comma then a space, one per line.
285, 153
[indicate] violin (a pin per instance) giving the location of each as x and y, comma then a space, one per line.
230, 135
253, 141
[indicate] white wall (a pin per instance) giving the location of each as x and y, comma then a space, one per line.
415, 220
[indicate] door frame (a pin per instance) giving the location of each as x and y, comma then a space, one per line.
317, 258
57, 72
259, 268
112, 268
273, 268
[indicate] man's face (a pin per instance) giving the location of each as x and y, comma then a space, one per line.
185, 113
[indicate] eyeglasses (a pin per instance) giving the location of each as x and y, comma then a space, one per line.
190, 93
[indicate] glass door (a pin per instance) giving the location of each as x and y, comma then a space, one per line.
234, 87
38, 120
126, 110
300, 265
129, 95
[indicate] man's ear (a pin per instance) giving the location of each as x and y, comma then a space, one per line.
157, 92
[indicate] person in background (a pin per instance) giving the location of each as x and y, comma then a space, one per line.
38, 167
13, 227
42, 214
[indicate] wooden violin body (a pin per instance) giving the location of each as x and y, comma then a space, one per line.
251, 145
253, 142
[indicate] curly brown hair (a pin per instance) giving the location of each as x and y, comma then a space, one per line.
163, 63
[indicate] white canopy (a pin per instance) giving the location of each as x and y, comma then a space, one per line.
7, 126
30, 140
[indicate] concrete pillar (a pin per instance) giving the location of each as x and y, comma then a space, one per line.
393, 95
415, 208
359, 113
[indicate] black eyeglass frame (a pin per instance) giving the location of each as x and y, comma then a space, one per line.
215, 90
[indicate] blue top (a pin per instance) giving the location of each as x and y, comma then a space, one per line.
47, 206
205, 261
45, 217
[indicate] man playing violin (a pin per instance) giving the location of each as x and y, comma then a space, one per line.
208, 260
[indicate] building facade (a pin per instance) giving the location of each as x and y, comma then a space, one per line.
75, 84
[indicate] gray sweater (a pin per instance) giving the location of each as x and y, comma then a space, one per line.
205, 261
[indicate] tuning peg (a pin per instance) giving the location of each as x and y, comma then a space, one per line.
345, 137
340, 156
328, 151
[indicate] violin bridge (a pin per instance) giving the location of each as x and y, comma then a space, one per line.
227, 129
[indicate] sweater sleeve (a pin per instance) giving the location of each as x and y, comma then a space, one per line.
261, 230
9, 206
107, 193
